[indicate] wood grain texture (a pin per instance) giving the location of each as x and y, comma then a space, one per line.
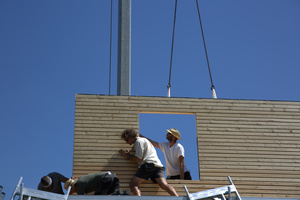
256, 143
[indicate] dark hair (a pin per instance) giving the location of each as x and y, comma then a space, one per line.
45, 180
129, 133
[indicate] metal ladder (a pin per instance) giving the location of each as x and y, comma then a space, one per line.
217, 193
29, 193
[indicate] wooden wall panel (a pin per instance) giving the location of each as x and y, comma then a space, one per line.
256, 143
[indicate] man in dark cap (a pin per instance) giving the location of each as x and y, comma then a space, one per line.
52, 183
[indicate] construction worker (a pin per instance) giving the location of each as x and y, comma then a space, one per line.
101, 183
150, 165
52, 183
174, 155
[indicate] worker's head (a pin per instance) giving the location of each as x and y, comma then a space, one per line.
71, 182
46, 182
129, 136
173, 133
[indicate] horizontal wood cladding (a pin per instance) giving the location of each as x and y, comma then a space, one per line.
256, 143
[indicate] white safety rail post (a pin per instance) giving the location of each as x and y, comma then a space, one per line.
2, 194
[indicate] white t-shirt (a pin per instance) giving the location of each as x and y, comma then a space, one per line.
145, 151
172, 154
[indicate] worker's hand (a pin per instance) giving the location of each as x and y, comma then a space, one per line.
123, 153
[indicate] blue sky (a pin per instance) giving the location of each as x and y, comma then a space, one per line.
52, 50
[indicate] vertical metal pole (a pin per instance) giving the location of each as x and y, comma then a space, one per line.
229, 193
2, 194
124, 48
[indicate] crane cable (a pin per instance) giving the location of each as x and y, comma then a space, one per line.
211, 80
110, 50
171, 60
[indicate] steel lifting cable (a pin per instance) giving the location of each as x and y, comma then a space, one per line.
110, 49
211, 80
171, 60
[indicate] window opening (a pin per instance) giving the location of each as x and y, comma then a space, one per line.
154, 127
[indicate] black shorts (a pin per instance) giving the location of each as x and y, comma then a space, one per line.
107, 185
149, 171
187, 176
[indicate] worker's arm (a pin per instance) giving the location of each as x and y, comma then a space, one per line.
156, 144
126, 154
60, 177
181, 166
64, 180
